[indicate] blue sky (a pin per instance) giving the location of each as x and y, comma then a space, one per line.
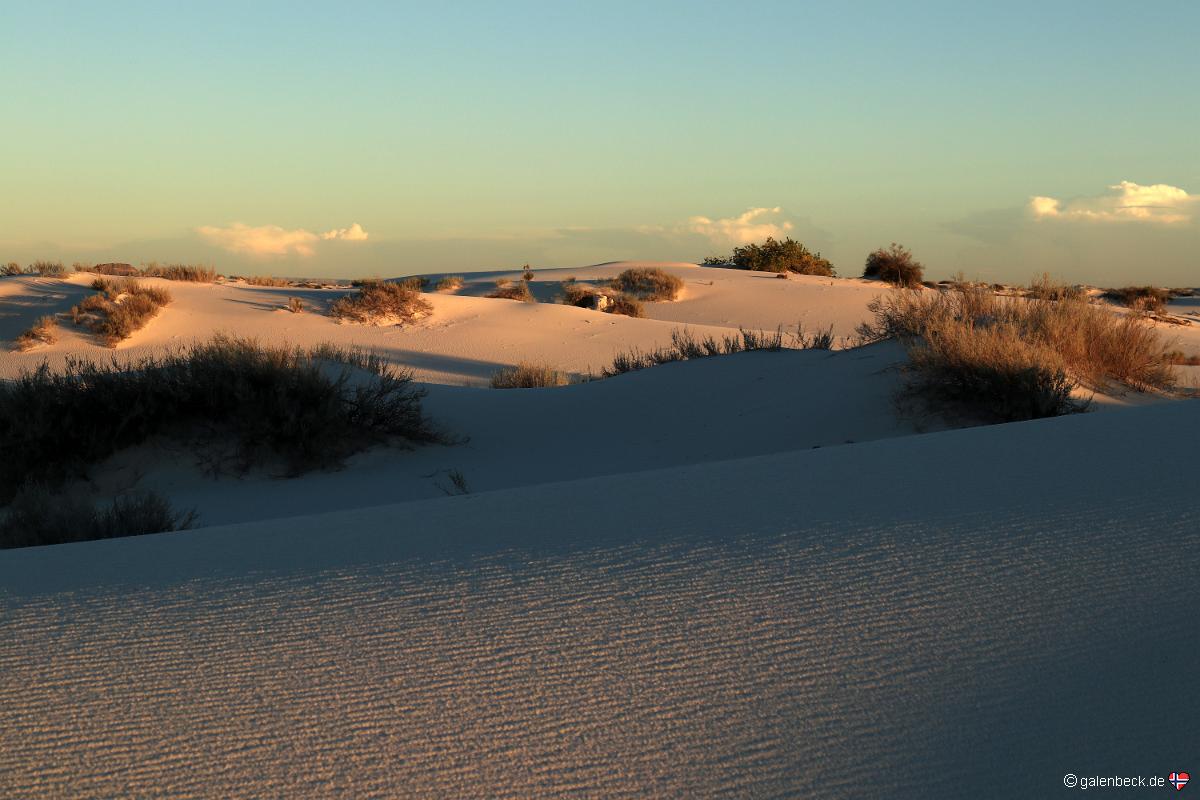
475, 135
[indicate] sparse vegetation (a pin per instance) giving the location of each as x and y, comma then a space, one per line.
194, 273
625, 305
114, 268
1181, 359
450, 283
775, 256
48, 269
526, 274
122, 310
648, 283
577, 294
295, 305
1140, 298
266, 280
298, 409
10, 269
37, 516
528, 376
377, 302
894, 264
508, 290
44, 331
415, 282
1046, 288
1015, 358
685, 346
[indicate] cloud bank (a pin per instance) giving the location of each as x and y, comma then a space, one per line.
754, 225
1128, 202
272, 240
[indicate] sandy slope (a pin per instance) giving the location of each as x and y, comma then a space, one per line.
466, 338
966, 613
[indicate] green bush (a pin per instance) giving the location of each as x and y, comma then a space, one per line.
775, 256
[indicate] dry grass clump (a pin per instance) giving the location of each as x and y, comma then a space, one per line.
578, 295
508, 290
625, 305
685, 347
1180, 359
648, 283
48, 269
894, 264
44, 331
114, 268
1014, 358
10, 269
122, 310
1140, 298
450, 283
266, 280
194, 273
528, 376
415, 282
1046, 288
377, 302
39, 517
775, 256
295, 305
292, 409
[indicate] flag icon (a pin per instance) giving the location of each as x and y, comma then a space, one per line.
1179, 780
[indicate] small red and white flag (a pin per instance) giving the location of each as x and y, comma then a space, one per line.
1179, 780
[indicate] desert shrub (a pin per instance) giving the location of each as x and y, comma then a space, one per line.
1181, 359
507, 290
1140, 298
894, 264
376, 302
1002, 356
526, 273
415, 282
295, 305
80, 266
37, 516
625, 305
685, 347
124, 309
648, 283
48, 269
44, 331
528, 376
266, 280
775, 256
303, 409
11, 268
194, 273
114, 268
575, 294
1046, 288
450, 283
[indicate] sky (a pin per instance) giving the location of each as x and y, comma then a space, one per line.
339, 139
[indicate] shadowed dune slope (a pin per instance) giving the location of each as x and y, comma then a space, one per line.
971, 612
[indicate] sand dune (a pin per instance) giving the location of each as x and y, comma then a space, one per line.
831, 622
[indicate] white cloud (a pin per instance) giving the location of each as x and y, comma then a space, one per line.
354, 233
272, 240
1129, 202
754, 225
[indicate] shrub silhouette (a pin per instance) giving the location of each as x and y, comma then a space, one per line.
36, 517
894, 264
303, 409
775, 256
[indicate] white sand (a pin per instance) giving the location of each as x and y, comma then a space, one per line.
967, 613
742, 575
